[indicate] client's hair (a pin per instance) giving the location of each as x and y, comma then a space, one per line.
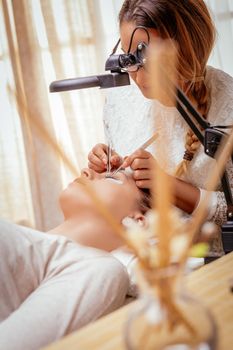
145, 200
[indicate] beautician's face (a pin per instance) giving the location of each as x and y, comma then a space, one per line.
119, 194
141, 77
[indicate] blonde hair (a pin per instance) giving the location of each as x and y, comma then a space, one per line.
189, 24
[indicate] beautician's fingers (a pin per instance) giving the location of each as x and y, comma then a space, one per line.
140, 163
142, 159
142, 174
95, 163
138, 154
98, 157
116, 160
97, 169
144, 184
100, 151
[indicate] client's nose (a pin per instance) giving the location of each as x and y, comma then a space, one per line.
87, 173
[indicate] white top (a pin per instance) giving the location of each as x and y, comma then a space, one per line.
130, 119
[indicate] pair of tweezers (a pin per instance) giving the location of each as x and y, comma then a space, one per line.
143, 146
109, 154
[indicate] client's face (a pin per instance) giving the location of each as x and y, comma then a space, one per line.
120, 194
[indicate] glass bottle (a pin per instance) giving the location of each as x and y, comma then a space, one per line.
167, 317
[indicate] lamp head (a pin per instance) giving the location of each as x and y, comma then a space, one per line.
127, 62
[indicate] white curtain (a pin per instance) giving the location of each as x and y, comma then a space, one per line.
42, 41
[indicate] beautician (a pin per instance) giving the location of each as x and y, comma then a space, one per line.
128, 116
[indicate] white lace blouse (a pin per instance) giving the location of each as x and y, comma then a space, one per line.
130, 119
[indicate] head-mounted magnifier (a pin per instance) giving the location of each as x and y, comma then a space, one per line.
128, 62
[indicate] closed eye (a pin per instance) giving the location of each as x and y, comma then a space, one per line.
114, 179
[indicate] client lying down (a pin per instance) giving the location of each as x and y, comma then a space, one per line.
54, 283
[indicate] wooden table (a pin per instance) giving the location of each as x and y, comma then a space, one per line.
211, 284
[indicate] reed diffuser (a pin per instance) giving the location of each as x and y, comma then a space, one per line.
165, 316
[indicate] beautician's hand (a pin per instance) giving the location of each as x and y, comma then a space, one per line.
98, 158
142, 163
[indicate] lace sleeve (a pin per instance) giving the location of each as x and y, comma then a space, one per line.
220, 215
220, 85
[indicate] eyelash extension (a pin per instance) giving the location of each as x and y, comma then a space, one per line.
108, 176
115, 179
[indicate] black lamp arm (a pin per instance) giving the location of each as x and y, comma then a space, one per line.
211, 139
197, 116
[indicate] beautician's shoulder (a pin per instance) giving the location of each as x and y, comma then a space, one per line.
215, 76
221, 88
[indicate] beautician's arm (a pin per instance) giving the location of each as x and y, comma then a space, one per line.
142, 163
186, 195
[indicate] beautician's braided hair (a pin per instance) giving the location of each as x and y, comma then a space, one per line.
188, 22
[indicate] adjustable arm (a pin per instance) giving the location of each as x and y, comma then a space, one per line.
104, 81
210, 140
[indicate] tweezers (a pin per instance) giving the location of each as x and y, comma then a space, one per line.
109, 153
143, 146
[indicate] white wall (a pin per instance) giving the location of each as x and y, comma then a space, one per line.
222, 56
221, 10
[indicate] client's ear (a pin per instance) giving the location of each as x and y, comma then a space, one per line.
140, 219
136, 218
